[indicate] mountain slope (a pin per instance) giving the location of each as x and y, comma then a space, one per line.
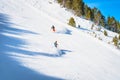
27, 49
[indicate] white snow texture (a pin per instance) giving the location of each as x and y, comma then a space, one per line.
27, 49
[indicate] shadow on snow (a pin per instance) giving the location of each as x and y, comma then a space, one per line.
84, 29
68, 32
63, 51
11, 69
59, 53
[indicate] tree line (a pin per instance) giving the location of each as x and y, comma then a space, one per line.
79, 8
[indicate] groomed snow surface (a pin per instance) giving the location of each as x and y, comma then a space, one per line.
27, 49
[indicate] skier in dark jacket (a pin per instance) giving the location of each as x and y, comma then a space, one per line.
56, 44
92, 26
78, 26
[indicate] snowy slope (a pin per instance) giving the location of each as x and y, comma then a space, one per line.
27, 51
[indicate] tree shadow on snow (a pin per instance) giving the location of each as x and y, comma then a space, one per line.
84, 29
67, 31
10, 68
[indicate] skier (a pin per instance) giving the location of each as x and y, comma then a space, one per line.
58, 50
92, 26
78, 26
56, 44
53, 28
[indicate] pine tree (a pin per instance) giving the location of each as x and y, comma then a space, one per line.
94, 12
119, 37
60, 1
77, 6
97, 17
85, 10
115, 26
118, 27
89, 14
105, 33
102, 21
92, 15
115, 41
72, 22
68, 4
112, 24
109, 22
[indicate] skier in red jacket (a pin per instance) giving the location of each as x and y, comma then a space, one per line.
53, 28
